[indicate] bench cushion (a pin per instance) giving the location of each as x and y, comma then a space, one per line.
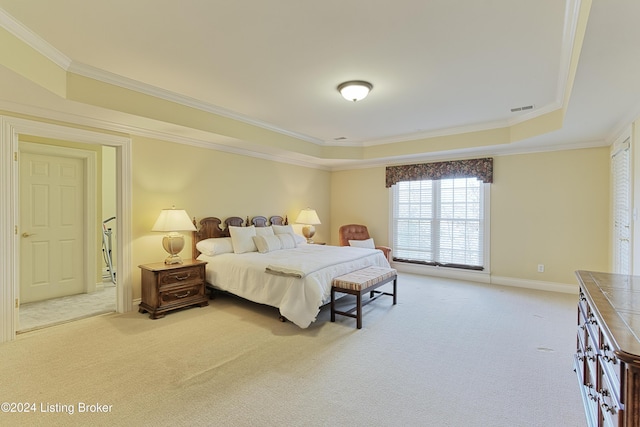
363, 279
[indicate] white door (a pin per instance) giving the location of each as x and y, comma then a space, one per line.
52, 249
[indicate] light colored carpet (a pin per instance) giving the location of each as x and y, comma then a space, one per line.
449, 354
61, 310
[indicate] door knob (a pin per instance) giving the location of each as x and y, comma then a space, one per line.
25, 234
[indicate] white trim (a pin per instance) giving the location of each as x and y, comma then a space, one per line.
448, 273
139, 87
8, 243
535, 284
11, 128
486, 278
34, 41
90, 197
286, 157
572, 14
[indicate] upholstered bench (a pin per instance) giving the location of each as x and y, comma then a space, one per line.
358, 283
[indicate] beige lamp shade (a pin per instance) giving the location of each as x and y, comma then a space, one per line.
309, 217
173, 220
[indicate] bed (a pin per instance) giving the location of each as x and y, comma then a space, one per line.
264, 261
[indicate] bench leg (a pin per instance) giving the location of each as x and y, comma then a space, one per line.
359, 310
395, 290
333, 305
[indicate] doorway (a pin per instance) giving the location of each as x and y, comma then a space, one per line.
62, 198
12, 129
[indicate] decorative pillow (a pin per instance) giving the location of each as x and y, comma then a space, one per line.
282, 229
215, 246
267, 243
264, 231
362, 243
286, 240
242, 239
300, 240
285, 229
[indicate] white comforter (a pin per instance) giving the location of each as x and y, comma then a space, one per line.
298, 298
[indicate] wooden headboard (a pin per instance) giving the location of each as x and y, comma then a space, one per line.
210, 227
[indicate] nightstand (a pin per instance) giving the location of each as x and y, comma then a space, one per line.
170, 287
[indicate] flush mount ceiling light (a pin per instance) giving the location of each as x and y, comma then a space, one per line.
354, 90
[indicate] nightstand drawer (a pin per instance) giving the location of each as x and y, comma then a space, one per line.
166, 288
180, 295
182, 276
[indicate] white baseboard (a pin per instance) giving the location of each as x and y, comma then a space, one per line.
448, 273
482, 277
535, 284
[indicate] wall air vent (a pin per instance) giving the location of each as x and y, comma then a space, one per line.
525, 108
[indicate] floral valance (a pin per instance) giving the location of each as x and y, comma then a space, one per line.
482, 169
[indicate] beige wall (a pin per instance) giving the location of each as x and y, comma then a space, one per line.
552, 209
548, 208
206, 182
359, 196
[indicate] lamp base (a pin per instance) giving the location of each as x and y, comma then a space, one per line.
308, 231
173, 244
173, 259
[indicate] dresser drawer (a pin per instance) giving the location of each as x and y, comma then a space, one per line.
180, 277
609, 401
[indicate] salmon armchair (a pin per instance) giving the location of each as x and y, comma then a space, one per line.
359, 232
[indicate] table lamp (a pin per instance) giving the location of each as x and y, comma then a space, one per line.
309, 217
173, 220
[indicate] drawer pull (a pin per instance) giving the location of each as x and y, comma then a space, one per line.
605, 356
609, 408
182, 277
186, 294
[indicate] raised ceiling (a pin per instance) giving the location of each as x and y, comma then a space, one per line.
260, 77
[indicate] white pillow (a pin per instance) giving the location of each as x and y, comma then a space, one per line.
285, 229
362, 243
299, 239
267, 243
264, 231
282, 229
288, 229
215, 246
242, 239
286, 240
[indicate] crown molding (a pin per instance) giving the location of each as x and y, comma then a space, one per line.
134, 85
458, 130
37, 113
36, 42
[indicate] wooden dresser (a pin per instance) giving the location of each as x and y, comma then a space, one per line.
170, 287
607, 360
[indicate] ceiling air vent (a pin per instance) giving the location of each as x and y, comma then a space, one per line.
340, 138
525, 108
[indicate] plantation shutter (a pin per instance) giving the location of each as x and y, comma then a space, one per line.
621, 171
438, 212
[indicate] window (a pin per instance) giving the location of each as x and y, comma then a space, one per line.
440, 222
621, 171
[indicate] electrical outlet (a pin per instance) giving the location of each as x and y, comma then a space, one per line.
540, 268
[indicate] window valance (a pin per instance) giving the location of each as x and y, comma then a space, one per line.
482, 169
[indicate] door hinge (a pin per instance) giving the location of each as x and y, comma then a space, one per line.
15, 156
15, 229
17, 303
